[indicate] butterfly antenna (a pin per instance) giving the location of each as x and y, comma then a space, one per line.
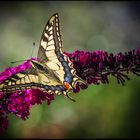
33, 49
71, 98
13, 62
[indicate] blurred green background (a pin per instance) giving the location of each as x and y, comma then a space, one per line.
104, 111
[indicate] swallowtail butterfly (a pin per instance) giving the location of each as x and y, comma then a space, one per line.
53, 72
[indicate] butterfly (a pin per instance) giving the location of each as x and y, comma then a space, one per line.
53, 72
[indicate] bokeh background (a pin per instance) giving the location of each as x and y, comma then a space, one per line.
103, 111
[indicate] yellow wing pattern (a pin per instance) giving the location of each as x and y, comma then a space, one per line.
53, 72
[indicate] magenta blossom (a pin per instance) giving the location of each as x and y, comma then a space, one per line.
19, 103
93, 67
14, 70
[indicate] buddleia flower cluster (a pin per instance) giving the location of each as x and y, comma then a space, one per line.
94, 67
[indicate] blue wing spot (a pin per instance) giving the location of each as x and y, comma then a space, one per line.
64, 64
60, 88
61, 59
69, 75
68, 79
46, 87
52, 88
67, 69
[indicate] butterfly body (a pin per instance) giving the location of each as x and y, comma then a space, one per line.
52, 72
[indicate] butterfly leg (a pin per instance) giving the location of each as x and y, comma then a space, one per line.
66, 94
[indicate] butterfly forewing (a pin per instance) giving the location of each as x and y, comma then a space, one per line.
50, 49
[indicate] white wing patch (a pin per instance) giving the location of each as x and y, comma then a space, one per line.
51, 42
51, 54
51, 47
53, 66
51, 37
46, 35
43, 44
50, 29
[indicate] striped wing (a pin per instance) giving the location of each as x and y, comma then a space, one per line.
50, 49
51, 54
51, 42
32, 78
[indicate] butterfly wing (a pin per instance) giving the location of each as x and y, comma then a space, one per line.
31, 78
51, 52
50, 49
51, 41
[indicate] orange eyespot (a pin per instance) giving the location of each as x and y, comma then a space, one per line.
67, 85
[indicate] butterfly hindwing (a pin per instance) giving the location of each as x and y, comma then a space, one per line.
31, 78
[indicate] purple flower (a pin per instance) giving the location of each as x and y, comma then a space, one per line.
93, 67
19, 103
14, 70
96, 66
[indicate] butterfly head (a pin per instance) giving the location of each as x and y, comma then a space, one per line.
67, 86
